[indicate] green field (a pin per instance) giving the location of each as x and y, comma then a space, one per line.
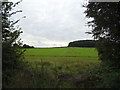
63, 68
63, 57
57, 67
62, 54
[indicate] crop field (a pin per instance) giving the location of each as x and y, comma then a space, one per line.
63, 57
62, 54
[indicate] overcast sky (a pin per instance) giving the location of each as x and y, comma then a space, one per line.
51, 23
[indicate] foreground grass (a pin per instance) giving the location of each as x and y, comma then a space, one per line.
56, 68
65, 68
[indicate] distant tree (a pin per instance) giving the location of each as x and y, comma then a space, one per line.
11, 52
105, 28
27, 46
82, 43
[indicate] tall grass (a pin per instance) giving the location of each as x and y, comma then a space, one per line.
61, 69
56, 68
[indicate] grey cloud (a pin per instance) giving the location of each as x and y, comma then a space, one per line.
53, 22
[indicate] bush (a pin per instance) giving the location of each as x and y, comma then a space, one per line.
104, 77
12, 54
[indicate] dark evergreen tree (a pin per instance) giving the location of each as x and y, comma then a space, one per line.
105, 24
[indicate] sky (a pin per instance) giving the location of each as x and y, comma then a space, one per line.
52, 23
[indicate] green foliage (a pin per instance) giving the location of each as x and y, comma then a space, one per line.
11, 52
82, 43
109, 52
104, 77
44, 74
105, 26
36, 75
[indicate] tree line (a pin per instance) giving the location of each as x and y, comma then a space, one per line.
82, 43
27, 46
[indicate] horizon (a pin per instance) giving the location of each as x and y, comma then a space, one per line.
57, 46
